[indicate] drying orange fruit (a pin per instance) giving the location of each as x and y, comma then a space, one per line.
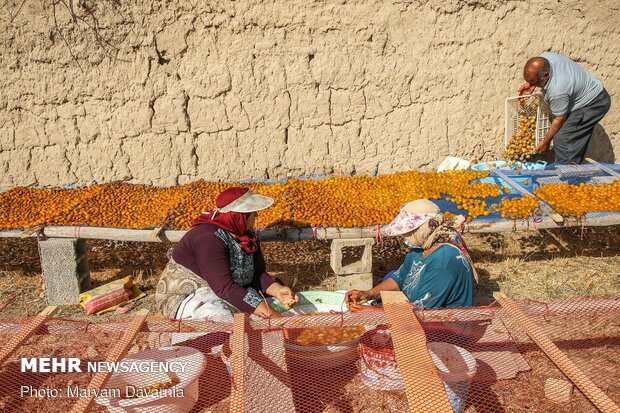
325, 336
575, 200
518, 208
356, 201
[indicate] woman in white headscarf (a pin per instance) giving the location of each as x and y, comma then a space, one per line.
437, 272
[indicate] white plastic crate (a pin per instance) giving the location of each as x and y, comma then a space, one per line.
527, 105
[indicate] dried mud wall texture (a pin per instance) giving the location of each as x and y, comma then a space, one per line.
167, 92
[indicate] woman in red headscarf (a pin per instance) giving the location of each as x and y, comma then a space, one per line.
218, 268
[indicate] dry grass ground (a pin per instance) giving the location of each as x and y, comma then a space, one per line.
535, 265
540, 265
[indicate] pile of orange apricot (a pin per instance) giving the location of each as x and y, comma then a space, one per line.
575, 200
325, 336
522, 145
356, 201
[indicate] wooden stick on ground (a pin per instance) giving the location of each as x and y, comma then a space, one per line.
237, 360
118, 351
424, 388
25, 333
587, 387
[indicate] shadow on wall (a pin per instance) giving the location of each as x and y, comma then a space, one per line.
600, 147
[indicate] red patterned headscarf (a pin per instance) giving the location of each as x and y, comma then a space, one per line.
233, 222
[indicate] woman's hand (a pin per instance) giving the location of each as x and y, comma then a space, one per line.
355, 299
286, 296
265, 311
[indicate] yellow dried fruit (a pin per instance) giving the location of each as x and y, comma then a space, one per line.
575, 200
340, 202
518, 208
522, 145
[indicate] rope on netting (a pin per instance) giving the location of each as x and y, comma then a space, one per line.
88, 324
490, 308
269, 314
418, 310
340, 313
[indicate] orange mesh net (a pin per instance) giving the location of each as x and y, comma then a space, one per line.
561, 356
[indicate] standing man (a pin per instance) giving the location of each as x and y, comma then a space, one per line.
577, 99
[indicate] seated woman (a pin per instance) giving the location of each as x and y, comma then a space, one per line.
218, 268
437, 272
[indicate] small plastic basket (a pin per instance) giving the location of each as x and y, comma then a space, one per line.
527, 105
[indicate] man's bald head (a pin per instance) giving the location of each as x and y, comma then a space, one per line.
536, 71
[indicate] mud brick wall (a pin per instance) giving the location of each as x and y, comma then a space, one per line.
167, 92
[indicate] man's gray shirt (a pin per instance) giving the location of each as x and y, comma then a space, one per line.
570, 86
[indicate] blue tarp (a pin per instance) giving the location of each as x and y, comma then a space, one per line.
553, 173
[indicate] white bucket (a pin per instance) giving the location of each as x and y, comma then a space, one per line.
180, 398
379, 369
457, 367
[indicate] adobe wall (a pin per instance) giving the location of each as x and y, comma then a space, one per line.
170, 92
